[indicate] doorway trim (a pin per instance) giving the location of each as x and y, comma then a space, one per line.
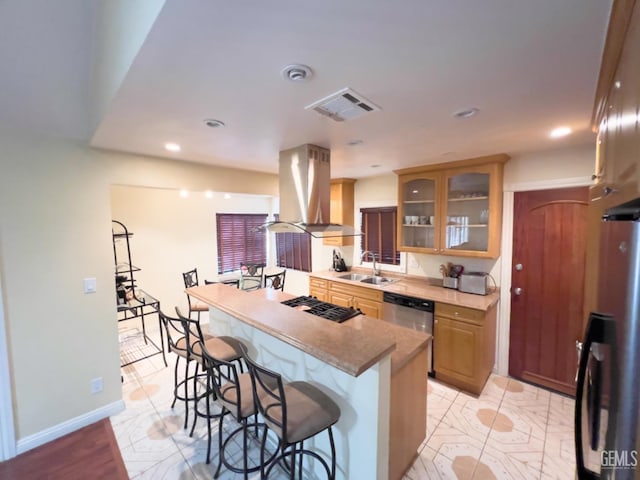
504, 322
7, 431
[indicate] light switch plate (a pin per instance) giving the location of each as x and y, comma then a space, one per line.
90, 285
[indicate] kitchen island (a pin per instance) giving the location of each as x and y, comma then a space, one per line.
375, 371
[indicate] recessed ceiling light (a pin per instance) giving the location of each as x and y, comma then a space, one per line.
213, 123
618, 84
227, 196
560, 132
184, 193
469, 112
353, 143
297, 73
172, 147
208, 194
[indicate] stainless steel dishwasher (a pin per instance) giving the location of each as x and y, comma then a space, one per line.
411, 312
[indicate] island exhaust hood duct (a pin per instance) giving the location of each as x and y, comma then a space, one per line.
305, 181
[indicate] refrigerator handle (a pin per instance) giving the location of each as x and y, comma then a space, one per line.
595, 332
581, 470
578, 352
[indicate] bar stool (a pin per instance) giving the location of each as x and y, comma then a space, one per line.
295, 412
224, 348
177, 339
234, 393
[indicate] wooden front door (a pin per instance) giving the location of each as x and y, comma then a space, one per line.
547, 285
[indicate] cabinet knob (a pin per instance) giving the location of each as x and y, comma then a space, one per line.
608, 191
456, 313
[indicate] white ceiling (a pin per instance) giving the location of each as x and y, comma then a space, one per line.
529, 66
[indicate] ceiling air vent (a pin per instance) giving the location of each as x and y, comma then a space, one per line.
343, 105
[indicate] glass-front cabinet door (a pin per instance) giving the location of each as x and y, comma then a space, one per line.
418, 216
471, 205
452, 211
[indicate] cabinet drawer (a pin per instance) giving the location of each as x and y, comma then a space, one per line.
320, 294
369, 307
315, 282
356, 291
460, 313
341, 299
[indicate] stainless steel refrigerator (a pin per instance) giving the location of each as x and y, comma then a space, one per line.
608, 379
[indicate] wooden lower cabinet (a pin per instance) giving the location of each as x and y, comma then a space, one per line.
464, 345
368, 300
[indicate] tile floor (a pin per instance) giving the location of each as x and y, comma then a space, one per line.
511, 431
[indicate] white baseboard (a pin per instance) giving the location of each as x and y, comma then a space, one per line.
57, 431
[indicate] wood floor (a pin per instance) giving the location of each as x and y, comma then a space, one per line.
89, 453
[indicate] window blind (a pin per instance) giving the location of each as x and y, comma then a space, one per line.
239, 240
379, 233
293, 250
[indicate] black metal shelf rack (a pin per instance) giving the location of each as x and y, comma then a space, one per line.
131, 301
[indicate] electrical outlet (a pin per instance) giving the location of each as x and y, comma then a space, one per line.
96, 385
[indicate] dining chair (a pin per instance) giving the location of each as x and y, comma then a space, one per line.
275, 281
191, 280
251, 276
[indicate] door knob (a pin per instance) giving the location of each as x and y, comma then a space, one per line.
517, 291
519, 267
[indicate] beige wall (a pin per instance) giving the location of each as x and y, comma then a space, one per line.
55, 230
550, 167
174, 234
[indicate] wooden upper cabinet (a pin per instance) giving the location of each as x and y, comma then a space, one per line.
342, 192
617, 103
453, 208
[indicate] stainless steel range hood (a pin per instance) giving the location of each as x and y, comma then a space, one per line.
305, 176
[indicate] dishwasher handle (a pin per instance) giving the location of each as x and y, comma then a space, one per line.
409, 302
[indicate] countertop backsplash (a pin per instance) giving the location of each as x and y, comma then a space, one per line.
429, 265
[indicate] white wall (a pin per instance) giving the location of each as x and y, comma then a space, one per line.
55, 230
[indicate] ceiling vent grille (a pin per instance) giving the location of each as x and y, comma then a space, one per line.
343, 105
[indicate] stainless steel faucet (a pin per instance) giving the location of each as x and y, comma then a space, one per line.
376, 270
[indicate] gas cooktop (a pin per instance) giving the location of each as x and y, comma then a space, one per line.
329, 311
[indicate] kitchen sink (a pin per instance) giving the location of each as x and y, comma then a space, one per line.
378, 280
356, 277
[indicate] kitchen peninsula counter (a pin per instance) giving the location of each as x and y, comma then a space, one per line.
352, 346
375, 371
